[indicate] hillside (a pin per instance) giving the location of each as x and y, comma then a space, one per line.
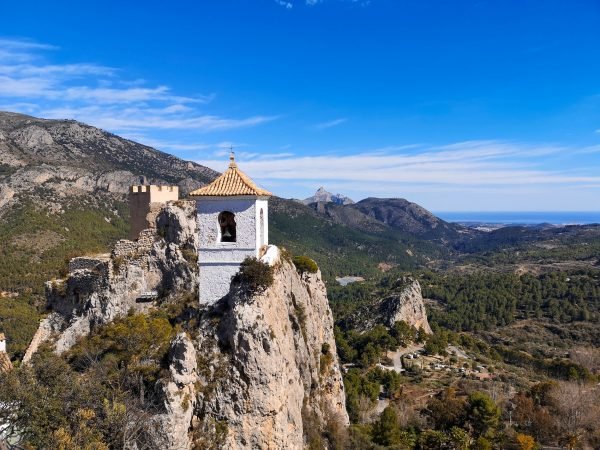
63, 188
342, 248
401, 214
33, 151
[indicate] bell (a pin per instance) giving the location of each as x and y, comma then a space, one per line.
227, 234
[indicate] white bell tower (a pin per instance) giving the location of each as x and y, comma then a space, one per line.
233, 224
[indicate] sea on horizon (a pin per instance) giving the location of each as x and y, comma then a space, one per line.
522, 217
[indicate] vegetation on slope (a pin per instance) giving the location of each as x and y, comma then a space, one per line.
102, 392
484, 300
340, 250
550, 360
36, 246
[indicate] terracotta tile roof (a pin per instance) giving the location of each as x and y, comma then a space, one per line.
2, 337
232, 182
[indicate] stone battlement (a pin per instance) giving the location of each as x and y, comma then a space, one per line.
145, 202
152, 189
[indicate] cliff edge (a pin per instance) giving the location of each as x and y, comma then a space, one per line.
270, 364
259, 371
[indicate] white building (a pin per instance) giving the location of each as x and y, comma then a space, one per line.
2, 343
233, 224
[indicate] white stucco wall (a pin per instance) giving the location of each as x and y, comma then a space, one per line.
219, 261
262, 205
3, 346
214, 281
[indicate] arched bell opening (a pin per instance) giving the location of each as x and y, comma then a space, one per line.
227, 226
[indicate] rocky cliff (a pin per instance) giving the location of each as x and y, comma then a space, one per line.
269, 370
260, 371
99, 288
403, 303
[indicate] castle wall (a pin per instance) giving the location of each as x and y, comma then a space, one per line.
145, 203
87, 262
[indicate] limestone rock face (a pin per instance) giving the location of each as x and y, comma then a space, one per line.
173, 427
102, 287
404, 303
270, 370
261, 372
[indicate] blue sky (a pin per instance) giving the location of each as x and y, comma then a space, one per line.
465, 105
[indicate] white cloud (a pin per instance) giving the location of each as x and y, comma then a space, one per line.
100, 96
138, 118
465, 165
165, 145
287, 5
290, 4
330, 124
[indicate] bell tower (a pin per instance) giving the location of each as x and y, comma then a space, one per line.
233, 224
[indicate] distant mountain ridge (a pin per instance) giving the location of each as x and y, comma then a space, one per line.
379, 215
327, 197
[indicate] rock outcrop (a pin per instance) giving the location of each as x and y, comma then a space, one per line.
101, 287
174, 426
403, 303
260, 371
269, 371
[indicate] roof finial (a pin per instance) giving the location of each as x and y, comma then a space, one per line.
232, 157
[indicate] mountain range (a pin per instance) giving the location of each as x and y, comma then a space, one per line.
63, 187
58, 177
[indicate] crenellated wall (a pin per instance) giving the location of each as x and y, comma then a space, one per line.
145, 202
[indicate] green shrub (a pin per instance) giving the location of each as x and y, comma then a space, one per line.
304, 264
255, 275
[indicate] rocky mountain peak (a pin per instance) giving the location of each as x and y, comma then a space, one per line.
324, 196
63, 159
